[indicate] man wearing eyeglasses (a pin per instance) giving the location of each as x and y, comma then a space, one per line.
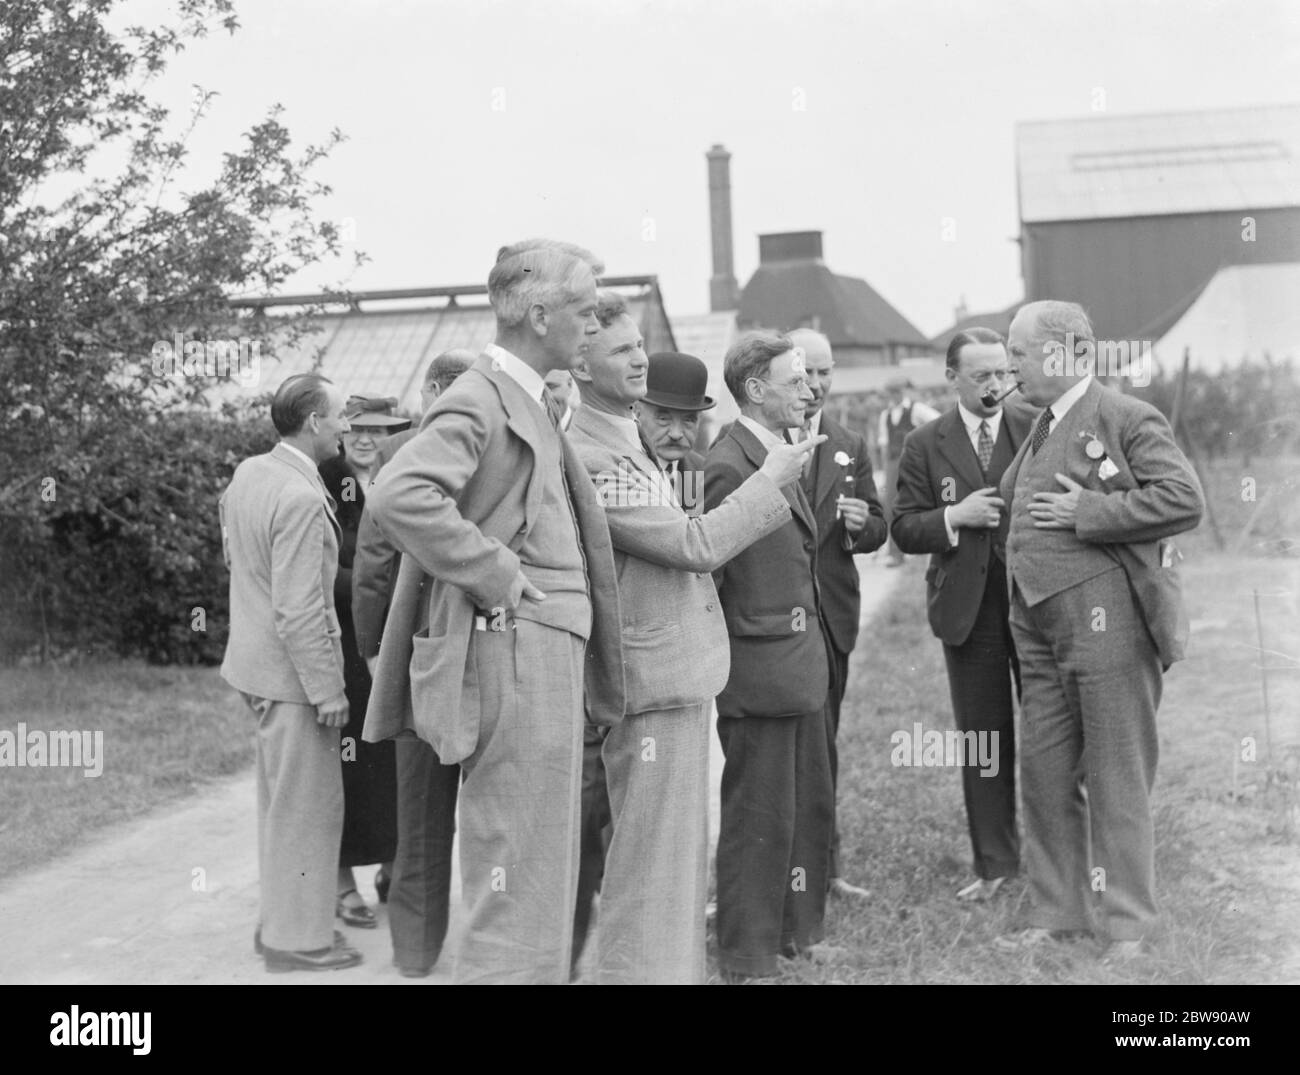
777, 799
948, 505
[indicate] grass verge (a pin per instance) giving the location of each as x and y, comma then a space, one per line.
165, 732
1227, 871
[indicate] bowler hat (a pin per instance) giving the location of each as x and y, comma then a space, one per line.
677, 381
375, 413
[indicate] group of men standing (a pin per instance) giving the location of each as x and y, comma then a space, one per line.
558, 589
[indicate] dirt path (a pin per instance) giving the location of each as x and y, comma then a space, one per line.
172, 898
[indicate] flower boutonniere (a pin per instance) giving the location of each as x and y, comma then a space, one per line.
1095, 450
844, 461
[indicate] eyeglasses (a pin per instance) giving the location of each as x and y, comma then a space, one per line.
797, 384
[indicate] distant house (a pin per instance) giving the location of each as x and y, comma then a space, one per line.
997, 320
792, 288
379, 343
1133, 215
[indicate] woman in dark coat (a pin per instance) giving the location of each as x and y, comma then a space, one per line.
369, 769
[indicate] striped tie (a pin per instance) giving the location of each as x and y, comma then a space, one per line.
986, 447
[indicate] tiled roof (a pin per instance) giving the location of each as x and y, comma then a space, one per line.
786, 294
1159, 164
997, 320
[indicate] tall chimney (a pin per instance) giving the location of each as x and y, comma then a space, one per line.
724, 294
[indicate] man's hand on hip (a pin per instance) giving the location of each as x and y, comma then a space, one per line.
334, 713
521, 588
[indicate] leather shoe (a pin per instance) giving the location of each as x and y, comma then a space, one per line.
981, 890
1025, 940
260, 948
821, 952
336, 958
841, 887
355, 914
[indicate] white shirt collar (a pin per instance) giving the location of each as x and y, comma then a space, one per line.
520, 372
1069, 398
299, 453
972, 423
765, 436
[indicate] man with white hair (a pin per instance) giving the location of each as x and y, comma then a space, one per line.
1093, 495
504, 613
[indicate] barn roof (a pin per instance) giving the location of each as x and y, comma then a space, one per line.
1159, 164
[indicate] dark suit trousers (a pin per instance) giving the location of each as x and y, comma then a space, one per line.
420, 895
980, 673
774, 843
839, 665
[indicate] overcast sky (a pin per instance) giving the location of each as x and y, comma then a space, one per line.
474, 123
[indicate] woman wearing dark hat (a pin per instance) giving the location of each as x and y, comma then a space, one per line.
369, 769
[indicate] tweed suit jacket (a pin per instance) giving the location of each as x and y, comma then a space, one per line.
374, 565
938, 469
769, 595
1154, 495
675, 646
837, 574
280, 541
456, 500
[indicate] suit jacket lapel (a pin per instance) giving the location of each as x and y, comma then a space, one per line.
524, 418
954, 444
756, 453
827, 471
312, 475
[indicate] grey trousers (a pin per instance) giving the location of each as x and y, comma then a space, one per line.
1090, 687
299, 824
520, 807
651, 925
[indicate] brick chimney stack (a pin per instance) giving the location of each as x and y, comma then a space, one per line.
724, 294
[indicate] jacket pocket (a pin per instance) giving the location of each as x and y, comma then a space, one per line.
444, 696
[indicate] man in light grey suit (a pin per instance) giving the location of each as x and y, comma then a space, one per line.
651, 927
284, 655
504, 624
1094, 494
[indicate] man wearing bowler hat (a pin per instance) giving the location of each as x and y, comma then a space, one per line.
675, 653
669, 417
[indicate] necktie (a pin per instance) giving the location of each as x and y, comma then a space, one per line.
1041, 430
986, 447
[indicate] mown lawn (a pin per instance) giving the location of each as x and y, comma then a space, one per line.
1228, 871
166, 731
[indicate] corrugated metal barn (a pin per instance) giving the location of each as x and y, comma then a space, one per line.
1132, 215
